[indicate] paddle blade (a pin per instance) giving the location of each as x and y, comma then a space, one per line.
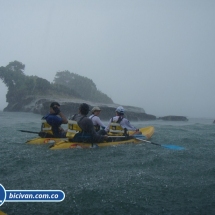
139, 136
173, 147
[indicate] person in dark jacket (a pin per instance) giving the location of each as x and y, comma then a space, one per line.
88, 133
56, 118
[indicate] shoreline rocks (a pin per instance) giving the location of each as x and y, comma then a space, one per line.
173, 118
40, 105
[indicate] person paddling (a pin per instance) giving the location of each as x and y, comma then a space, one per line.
119, 118
88, 133
98, 124
55, 119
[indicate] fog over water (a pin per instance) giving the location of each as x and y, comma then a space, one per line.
158, 55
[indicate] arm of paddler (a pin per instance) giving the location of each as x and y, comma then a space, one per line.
136, 132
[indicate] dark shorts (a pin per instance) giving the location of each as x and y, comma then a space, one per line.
82, 137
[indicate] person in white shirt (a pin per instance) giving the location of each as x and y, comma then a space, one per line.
119, 118
98, 124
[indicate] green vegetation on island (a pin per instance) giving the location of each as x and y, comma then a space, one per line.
65, 85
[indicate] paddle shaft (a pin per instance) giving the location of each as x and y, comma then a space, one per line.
168, 146
148, 141
151, 142
33, 132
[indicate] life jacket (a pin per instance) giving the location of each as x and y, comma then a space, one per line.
73, 128
75, 133
97, 127
48, 128
116, 129
119, 119
45, 127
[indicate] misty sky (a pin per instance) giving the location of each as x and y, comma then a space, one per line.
158, 55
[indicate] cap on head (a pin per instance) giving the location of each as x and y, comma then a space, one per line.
84, 108
120, 110
95, 109
54, 104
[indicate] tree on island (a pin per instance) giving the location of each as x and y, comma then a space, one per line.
66, 84
84, 86
19, 85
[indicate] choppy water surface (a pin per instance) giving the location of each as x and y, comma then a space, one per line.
127, 179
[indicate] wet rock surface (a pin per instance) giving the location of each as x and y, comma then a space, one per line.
41, 106
69, 108
173, 118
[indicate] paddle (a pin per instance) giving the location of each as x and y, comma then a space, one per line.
173, 147
41, 134
33, 132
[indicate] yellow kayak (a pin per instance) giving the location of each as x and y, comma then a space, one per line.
147, 133
40, 140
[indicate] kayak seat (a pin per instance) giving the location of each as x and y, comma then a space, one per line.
73, 129
117, 130
45, 127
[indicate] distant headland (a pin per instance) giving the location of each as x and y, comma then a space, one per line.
34, 94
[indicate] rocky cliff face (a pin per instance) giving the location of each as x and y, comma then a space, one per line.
68, 107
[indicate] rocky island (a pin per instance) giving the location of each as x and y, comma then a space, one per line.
34, 94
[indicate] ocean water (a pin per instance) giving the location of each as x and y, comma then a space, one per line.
127, 179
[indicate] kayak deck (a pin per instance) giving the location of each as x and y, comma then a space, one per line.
147, 133
41, 140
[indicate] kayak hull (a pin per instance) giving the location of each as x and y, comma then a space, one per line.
40, 140
147, 132
63, 143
